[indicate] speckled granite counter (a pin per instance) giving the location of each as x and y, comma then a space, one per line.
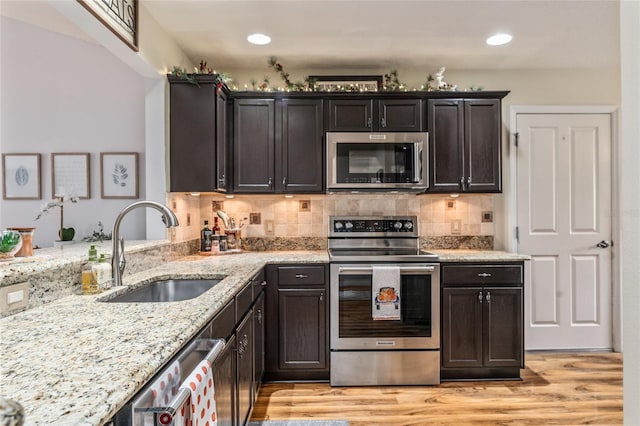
478, 256
77, 360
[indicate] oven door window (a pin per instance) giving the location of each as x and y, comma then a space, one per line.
354, 308
376, 163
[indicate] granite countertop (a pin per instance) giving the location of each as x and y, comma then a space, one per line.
77, 360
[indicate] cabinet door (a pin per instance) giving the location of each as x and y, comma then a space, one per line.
192, 137
351, 115
502, 321
224, 372
302, 329
244, 343
462, 327
258, 339
222, 140
254, 145
446, 145
400, 115
301, 165
482, 145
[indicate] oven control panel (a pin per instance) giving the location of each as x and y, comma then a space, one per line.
386, 225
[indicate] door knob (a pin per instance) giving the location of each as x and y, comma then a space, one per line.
603, 244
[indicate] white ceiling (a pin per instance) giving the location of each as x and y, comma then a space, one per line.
370, 34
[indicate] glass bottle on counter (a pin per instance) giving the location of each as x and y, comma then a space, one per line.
215, 244
216, 227
89, 284
205, 237
223, 243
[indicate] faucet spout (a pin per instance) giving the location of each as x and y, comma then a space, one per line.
118, 261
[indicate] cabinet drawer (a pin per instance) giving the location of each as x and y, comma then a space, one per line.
297, 275
259, 283
224, 322
244, 299
482, 274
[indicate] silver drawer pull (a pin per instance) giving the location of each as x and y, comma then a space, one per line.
302, 276
484, 275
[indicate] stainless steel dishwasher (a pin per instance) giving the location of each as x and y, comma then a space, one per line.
146, 408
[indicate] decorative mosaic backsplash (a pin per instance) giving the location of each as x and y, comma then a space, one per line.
268, 219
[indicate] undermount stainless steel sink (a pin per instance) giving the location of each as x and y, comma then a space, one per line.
165, 291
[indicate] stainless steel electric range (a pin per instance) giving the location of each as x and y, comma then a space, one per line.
385, 303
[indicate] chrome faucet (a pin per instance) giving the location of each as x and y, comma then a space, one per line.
118, 261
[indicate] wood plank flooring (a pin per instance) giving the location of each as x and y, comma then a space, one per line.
556, 389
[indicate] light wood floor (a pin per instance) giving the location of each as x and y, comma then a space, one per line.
557, 389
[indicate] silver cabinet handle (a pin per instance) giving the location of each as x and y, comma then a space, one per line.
263, 283
603, 244
480, 297
369, 122
383, 122
259, 316
488, 297
484, 275
322, 297
461, 184
302, 276
270, 182
468, 181
284, 181
221, 179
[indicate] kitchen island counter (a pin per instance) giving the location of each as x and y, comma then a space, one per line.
77, 360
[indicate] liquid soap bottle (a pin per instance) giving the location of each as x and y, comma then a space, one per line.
102, 273
89, 284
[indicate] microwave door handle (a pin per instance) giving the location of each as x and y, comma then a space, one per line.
417, 163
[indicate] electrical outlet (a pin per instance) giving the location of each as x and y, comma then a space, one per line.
487, 217
304, 205
254, 219
269, 227
456, 226
188, 219
451, 204
217, 205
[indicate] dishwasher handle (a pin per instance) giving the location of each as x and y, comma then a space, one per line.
166, 415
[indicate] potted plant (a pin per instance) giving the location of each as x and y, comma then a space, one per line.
64, 234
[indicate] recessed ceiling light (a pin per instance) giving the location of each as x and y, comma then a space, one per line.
499, 39
258, 38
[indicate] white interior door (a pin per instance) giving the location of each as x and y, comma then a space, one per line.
564, 224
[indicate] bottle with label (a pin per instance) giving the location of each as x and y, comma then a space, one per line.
205, 237
216, 227
102, 273
223, 243
88, 279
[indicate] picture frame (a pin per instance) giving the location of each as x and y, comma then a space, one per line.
120, 17
119, 175
70, 171
21, 176
347, 83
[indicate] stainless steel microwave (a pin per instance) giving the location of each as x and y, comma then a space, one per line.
377, 161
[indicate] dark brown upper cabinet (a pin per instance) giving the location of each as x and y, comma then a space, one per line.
465, 145
197, 135
278, 146
375, 115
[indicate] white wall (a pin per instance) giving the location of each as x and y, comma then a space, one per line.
62, 94
629, 159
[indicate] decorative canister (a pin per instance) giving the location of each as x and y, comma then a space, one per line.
27, 241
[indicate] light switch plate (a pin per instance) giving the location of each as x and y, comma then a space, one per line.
456, 227
269, 227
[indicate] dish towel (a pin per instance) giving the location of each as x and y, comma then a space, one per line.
164, 389
202, 403
385, 292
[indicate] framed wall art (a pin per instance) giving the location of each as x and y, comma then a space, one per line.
347, 83
70, 174
120, 17
119, 174
21, 177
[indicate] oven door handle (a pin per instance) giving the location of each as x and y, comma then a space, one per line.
369, 269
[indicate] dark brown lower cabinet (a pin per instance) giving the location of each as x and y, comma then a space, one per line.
244, 348
224, 372
482, 325
297, 336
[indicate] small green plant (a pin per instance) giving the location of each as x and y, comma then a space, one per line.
9, 241
98, 235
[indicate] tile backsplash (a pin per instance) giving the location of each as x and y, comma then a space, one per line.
308, 215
